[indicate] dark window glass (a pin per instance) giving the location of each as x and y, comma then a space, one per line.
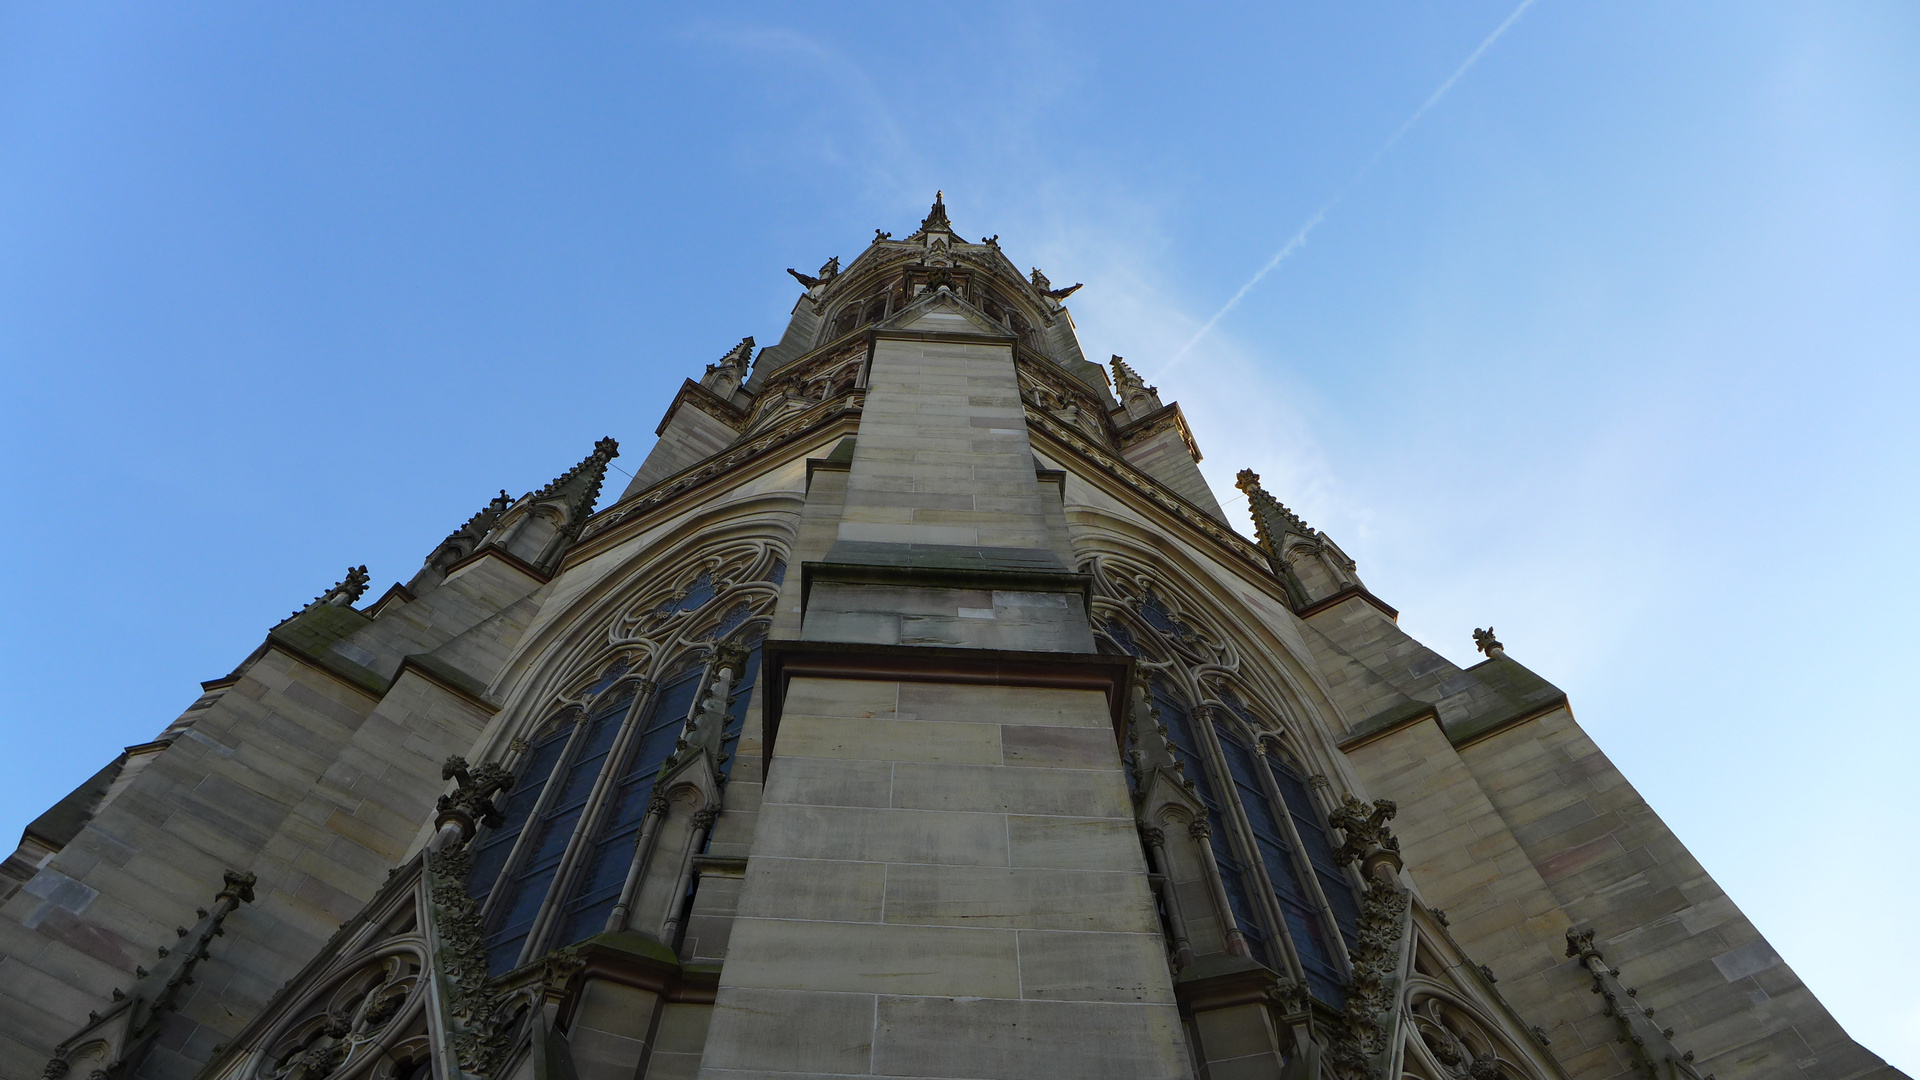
1179, 725
526, 885
1302, 911
491, 853
737, 703
603, 870
779, 575
1313, 836
736, 615
1156, 615
1122, 637
609, 677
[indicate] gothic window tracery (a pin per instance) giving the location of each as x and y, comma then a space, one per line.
1459, 1043
369, 1014
551, 872
1267, 832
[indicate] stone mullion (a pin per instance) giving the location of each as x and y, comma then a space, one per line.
583, 829
540, 807
1244, 844
1300, 859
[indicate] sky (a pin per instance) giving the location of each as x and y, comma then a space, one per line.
1606, 338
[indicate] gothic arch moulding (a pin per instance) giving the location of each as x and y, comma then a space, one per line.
1226, 645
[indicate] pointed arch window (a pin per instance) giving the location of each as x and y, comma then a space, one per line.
521, 891
1179, 722
1268, 836
517, 867
554, 869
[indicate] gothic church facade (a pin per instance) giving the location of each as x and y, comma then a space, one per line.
916, 711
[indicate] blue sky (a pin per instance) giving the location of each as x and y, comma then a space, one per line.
1613, 349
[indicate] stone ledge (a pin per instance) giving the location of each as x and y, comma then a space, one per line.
783, 660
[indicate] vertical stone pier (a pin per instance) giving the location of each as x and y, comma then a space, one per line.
946, 880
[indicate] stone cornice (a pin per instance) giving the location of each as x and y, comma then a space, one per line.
784, 660
1168, 416
692, 393
1197, 520
1350, 592
600, 530
504, 556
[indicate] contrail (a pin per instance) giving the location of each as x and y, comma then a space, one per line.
1299, 239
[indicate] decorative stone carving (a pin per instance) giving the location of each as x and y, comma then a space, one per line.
1484, 641
476, 1013
727, 374
1150, 489
462, 541
815, 284
1367, 840
345, 593
1135, 395
471, 802
1045, 288
1372, 994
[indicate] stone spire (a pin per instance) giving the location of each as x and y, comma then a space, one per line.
936, 223
459, 544
726, 376
578, 488
1271, 519
540, 525
1133, 391
1272, 524
111, 1044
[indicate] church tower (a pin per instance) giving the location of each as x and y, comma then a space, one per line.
916, 711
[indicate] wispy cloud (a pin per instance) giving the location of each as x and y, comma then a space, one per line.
1299, 239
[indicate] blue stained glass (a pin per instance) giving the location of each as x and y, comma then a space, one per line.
1179, 725
737, 703
1283, 870
779, 575
736, 615
1122, 637
526, 886
609, 677
603, 872
1155, 613
698, 593
1313, 836
490, 855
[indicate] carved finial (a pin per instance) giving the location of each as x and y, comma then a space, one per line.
936, 220
1487, 643
343, 593
471, 801
1368, 841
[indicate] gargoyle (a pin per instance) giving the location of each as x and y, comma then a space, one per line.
828, 272
1041, 283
